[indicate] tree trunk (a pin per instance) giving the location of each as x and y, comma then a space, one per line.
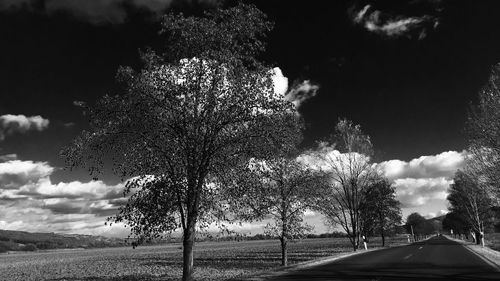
284, 251
383, 237
478, 238
188, 243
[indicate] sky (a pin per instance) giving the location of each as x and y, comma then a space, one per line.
406, 71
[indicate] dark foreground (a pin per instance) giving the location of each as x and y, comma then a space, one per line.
436, 258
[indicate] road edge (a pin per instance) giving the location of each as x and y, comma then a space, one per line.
485, 259
307, 264
491, 263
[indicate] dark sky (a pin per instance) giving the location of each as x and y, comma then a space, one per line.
405, 70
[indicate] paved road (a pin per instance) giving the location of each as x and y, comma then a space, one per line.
436, 258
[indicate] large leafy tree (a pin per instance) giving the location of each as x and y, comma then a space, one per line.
280, 189
483, 133
470, 200
203, 107
351, 172
380, 210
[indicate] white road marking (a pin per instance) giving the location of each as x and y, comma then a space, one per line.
408, 256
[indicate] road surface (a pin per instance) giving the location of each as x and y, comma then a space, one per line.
437, 258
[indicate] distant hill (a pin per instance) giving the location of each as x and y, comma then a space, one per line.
27, 241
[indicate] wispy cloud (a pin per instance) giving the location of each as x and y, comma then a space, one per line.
298, 93
10, 124
391, 25
302, 92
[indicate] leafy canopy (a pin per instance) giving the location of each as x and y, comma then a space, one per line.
188, 118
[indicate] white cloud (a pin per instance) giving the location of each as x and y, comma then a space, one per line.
423, 179
394, 25
30, 201
434, 214
418, 192
298, 93
10, 124
328, 158
418, 182
280, 82
444, 164
15, 173
302, 92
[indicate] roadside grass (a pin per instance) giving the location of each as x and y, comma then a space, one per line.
492, 250
213, 260
493, 241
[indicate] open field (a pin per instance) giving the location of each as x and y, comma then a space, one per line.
213, 260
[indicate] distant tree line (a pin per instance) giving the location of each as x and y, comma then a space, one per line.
419, 227
25, 241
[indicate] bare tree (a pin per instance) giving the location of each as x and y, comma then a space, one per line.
351, 172
281, 189
204, 107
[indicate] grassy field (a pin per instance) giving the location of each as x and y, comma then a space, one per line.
493, 241
213, 260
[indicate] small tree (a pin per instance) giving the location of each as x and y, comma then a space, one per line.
380, 210
351, 173
202, 108
416, 225
281, 189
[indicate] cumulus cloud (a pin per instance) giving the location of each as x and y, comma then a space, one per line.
30, 201
15, 174
418, 182
418, 192
10, 124
93, 11
441, 165
423, 179
391, 25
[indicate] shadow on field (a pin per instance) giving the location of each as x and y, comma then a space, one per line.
224, 263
